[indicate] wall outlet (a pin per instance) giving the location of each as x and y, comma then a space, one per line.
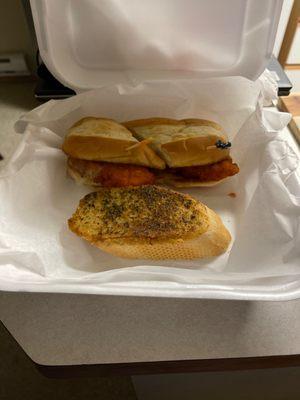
13, 64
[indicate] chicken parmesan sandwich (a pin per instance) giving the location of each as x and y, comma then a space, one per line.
180, 153
102, 152
196, 151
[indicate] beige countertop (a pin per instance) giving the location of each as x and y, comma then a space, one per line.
56, 329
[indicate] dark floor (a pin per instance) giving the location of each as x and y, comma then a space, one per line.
19, 380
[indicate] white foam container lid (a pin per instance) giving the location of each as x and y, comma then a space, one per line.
91, 43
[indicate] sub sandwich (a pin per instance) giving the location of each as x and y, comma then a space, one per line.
180, 153
102, 152
196, 151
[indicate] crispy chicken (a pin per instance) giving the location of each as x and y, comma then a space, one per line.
211, 172
112, 174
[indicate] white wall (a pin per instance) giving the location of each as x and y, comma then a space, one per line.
285, 13
294, 56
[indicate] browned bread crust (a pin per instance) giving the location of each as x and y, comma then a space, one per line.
149, 222
103, 139
182, 143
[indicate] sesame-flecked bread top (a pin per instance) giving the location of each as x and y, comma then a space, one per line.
145, 212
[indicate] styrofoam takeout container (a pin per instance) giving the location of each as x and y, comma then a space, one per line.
127, 45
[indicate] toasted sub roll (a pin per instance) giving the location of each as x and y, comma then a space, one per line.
149, 222
102, 139
182, 143
187, 143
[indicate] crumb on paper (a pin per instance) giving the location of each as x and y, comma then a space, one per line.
232, 194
